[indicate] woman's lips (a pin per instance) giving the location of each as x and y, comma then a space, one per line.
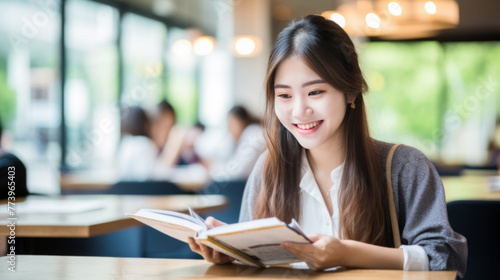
308, 128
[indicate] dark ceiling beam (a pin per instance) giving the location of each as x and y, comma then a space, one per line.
450, 37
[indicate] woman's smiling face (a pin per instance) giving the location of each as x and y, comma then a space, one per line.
310, 108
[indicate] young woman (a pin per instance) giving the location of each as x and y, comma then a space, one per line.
323, 168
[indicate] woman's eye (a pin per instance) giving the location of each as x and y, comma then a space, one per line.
285, 95
316, 92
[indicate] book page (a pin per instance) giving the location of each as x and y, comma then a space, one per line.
262, 244
230, 252
177, 225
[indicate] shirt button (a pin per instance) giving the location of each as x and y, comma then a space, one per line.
327, 223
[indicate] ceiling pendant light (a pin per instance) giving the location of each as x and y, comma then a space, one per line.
400, 19
203, 45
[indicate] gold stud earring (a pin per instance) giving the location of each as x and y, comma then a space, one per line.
353, 106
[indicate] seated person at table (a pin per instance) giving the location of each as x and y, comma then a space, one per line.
163, 120
188, 154
494, 147
137, 152
12, 173
149, 145
167, 136
322, 167
248, 144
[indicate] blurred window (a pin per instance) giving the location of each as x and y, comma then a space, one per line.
181, 78
405, 86
92, 115
473, 100
440, 98
143, 52
30, 87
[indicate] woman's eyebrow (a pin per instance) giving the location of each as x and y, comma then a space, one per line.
303, 85
313, 83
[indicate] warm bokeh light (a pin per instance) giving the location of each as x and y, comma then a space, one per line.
430, 7
394, 8
203, 45
338, 18
372, 20
182, 47
245, 46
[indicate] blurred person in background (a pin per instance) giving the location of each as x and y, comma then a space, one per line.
137, 151
12, 178
163, 120
248, 144
152, 144
167, 136
494, 147
12, 173
188, 154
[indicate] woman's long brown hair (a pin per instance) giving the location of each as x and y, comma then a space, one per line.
328, 51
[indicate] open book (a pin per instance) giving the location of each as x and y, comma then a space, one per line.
254, 242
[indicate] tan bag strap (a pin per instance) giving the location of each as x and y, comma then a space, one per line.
392, 208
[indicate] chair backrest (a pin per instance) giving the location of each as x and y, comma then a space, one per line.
479, 222
155, 244
145, 188
233, 190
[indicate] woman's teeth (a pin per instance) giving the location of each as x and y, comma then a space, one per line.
309, 125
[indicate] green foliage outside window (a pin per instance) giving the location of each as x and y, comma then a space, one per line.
7, 97
406, 83
416, 88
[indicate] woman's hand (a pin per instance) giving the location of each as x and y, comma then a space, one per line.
208, 253
326, 251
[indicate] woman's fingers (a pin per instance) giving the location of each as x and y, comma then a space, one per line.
194, 246
299, 249
211, 222
207, 253
218, 257
315, 237
201, 249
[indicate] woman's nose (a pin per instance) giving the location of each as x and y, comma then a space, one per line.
301, 109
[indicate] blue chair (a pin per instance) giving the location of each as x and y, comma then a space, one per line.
155, 244
145, 188
479, 222
233, 190
106, 245
448, 170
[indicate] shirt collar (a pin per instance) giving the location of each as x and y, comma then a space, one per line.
308, 183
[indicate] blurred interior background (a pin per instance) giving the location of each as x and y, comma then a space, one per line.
163, 97
68, 68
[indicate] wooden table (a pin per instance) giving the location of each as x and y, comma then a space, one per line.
110, 217
96, 268
471, 187
190, 179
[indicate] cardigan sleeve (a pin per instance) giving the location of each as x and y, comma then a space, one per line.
252, 188
421, 206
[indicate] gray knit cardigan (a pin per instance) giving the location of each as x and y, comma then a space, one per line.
419, 201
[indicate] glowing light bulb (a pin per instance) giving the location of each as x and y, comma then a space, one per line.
245, 46
338, 19
394, 8
430, 7
203, 45
372, 20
